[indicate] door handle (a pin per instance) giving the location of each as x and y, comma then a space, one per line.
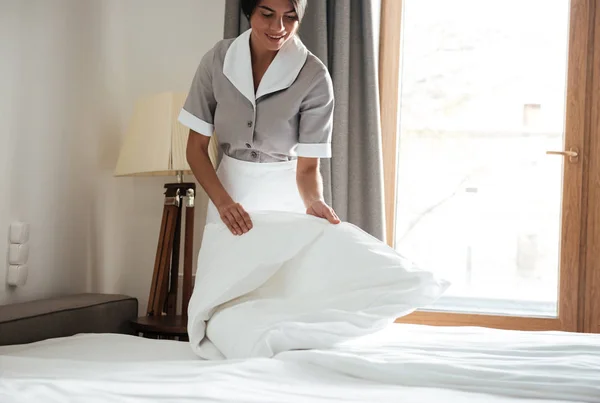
572, 153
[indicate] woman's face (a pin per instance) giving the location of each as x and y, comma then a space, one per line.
273, 23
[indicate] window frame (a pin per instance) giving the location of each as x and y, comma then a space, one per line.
579, 293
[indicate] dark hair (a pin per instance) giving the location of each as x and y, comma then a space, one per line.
248, 7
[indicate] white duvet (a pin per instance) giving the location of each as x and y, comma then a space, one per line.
297, 282
403, 363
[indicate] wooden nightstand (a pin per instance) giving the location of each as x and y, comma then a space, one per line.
161, 320
161, 327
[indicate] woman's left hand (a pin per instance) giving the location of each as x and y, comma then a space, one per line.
320, 209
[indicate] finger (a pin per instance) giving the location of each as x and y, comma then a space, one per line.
227, 222
239, 220
246, 217
234, 224
335, 217
329, 216
228, 219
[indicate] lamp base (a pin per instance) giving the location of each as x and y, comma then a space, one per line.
163, 296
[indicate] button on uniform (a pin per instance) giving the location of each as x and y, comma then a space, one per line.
249, 123
254, 154
248, 145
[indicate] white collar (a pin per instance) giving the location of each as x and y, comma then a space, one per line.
281, 73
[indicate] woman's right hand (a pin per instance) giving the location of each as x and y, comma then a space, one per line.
235, 217
232, 214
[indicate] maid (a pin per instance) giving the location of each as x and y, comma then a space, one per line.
270, 103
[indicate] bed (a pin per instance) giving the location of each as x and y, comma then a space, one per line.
80, 348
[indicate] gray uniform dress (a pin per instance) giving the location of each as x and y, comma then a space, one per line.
289, 116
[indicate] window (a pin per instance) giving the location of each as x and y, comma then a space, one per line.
486, 116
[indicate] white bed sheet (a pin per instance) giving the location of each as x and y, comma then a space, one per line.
405, 363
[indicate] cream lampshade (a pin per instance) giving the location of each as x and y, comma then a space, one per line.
155, 142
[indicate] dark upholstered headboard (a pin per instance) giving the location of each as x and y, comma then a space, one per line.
38, 320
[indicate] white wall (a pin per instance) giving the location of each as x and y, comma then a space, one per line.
70, 73
45, 175
9, 57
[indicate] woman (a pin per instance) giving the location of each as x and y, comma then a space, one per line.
270, 103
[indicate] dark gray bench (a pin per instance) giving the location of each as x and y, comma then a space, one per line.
64, 316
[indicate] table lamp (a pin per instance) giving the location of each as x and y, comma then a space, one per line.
155, 145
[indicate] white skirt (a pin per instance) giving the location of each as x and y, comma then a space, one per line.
269, 186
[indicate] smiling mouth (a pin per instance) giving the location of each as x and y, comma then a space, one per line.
276, 38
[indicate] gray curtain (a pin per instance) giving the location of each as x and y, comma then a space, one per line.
342, 34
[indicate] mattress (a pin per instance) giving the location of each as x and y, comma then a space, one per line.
404, 363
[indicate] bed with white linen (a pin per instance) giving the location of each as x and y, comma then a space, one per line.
310, 318
404, 363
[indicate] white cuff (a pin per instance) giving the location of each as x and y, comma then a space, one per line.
322, 150
197, 125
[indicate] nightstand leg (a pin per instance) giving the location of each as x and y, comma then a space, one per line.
187, 258
160, 277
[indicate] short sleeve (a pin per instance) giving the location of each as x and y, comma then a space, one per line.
316, 119
199, 108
